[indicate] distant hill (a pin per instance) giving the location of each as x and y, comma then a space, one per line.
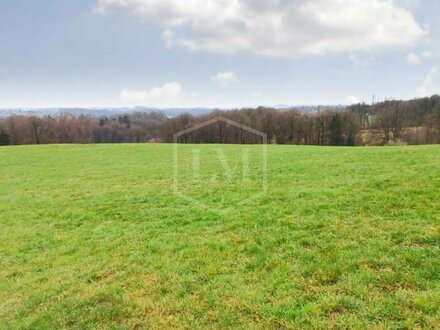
169, 112
99, 112
310, 108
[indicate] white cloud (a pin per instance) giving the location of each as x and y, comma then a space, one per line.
163, 95
413, 59
224, 78
353, 99
431, 84
274, 27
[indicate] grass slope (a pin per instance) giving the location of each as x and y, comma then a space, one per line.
93, 237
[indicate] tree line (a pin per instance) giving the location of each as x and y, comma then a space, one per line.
67, 128
409, 122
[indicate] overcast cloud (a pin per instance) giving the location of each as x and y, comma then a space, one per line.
275, 27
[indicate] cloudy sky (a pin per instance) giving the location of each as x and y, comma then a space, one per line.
216, 53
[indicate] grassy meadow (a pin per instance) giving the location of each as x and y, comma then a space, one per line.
94, 236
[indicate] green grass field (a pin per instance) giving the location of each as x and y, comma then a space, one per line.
93, 236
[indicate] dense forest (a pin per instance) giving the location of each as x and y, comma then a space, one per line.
390, 122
